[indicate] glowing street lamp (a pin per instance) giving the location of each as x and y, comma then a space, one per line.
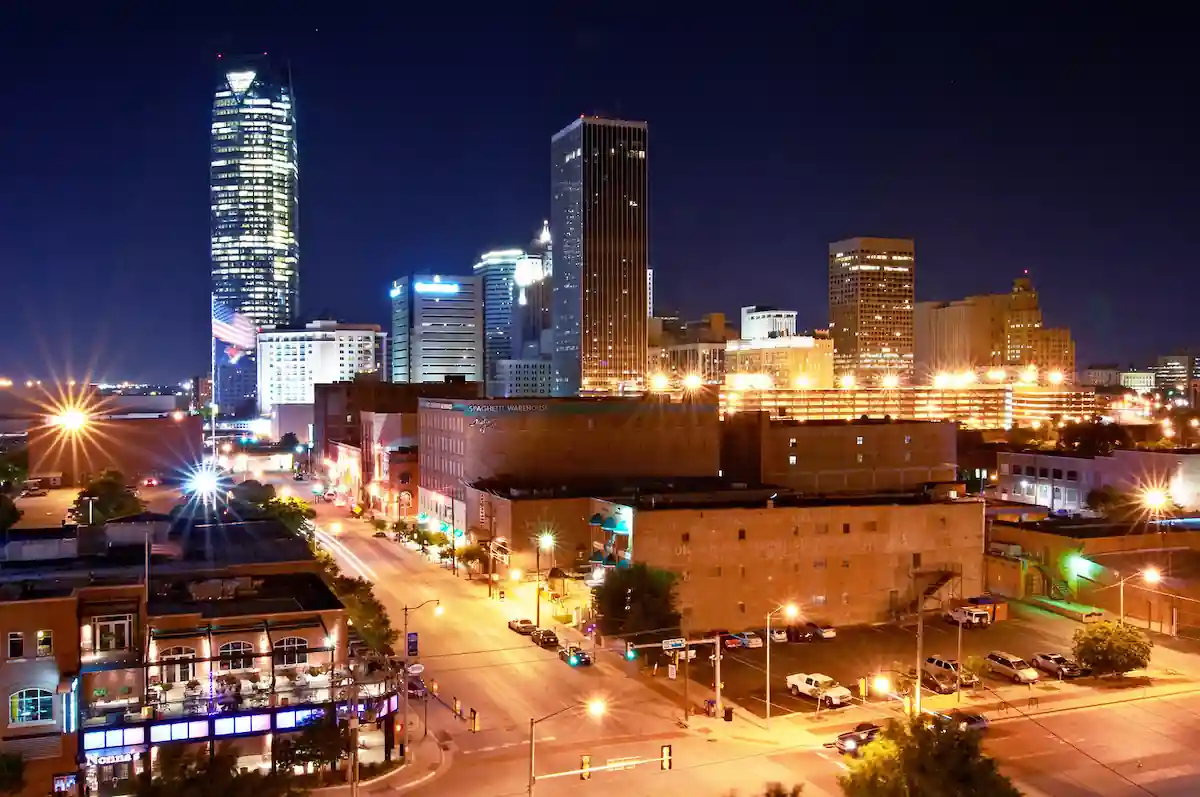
790, 611
882, 685
692, 381
545, 542
658, 382
595, 708
71, 419
1151, 575
891, 381
1155, 499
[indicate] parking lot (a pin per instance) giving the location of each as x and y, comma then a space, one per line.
860, 652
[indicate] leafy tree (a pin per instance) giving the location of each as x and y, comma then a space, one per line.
924, 758
288, 442
252, 491
183, 773
14, 467
379, 524
369, 616
1104, 499
977, 666
1094, 438
12, 773
9, 514
424, 538
635, 599
113, 498
322, 743
294, 513
471, 554
1111, 647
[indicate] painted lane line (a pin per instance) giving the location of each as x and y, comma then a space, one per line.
505, 746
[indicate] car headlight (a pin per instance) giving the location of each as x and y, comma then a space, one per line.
851, 744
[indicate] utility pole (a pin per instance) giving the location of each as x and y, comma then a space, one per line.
537, 593
958, 669
404, 685
353, 720
687, 706
920, 655
717, 647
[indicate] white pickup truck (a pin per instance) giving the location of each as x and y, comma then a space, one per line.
968, 617
819, 687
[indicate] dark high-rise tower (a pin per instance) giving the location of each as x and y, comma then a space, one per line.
598, 217
252, 188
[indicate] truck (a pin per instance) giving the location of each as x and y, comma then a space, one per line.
820, 687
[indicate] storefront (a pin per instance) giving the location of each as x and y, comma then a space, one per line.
113, 772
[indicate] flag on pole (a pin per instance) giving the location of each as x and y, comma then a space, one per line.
233, 328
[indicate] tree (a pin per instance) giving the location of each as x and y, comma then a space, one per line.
293, 513
369, 616
1094, 438
321, 743
182, 773
471, 554
424, 538
976, 666
12, 773
1112, 648
288, 442
379, 524
937, 758
252, 491
1104, 499
635, 599
9, 514
112, 498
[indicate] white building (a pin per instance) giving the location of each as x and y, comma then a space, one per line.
437, 328
759, 323
1141, 381
524, 378
293, 359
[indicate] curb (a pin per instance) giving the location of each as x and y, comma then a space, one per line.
443, 765
1131, 699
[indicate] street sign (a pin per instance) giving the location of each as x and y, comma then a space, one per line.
679, 643
416, 669
412, 643
671, 671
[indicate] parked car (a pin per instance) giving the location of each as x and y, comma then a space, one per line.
1056, 664
779, 635
380, 535
732, 641
544, 638
330, 496
951, 668
852, 742
749, 639
150, 481
575, 656
800, 633
299, 477
34, 492
523, 626
939, 683
1013, 667
821, 630
968, 617
416, 687
820, 687
963, 719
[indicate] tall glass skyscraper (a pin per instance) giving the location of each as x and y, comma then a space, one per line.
598, 215
253, 193
497, 274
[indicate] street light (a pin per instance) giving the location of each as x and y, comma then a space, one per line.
1155, 499
882, 685
1150, 575
545, 543
404, 639
71, 419
790, 611
596, 708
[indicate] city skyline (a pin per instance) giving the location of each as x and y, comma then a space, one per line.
1015, 180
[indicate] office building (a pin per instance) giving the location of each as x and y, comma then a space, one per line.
650, 293
1177, 376
759, 323
871, 308
253, 188
291, 360
999, 330
598, 214
524, 378
497, 275
783, 361
1103, 375
533, 325
437, 328
1141, 381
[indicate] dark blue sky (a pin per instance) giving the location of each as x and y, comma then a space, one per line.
1062, 144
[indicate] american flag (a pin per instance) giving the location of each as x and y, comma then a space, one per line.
232, 327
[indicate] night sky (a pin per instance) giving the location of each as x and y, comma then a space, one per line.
1063, 145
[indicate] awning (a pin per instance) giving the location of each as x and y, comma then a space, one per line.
596, 519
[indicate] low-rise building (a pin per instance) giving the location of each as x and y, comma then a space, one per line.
783, 361
1102, 376
524, 378
70, 454
1141, 381
838, 457
1061, 481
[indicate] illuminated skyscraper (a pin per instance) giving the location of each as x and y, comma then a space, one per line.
437, 328
871, 309
497, 273
598, 215
252, 186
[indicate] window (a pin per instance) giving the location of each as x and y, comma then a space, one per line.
916, 560
742, 608
871, 525
685, 537
792, 443
16, 645
859, 458
45, 644
30, 705
113, 631
1072, 476
1003, 468
791, 459
291, 650
822, 528
1044, 473
818, 600
907, 439
1056, 473
845, 528
714, 572
846, 563
236, 656
818, 564
858, 441
741, 534
179, 665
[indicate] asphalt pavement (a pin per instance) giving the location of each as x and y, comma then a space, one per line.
50, 510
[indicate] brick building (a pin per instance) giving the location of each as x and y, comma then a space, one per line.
167, 445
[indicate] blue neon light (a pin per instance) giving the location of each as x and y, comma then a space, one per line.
394, 292
435, 287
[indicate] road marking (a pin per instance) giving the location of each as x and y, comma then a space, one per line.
506, 745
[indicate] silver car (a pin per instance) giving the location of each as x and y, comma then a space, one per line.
1012, 667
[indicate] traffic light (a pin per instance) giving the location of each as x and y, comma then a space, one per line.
573, 660
474, 725
630, 652
585, 767
665, 757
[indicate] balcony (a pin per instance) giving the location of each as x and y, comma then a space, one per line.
225, 693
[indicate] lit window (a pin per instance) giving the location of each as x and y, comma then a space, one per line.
236, 656
45, 644
30, 705
16, 645
291, 650
858, 441
791, 459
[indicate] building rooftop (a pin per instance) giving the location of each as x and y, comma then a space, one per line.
245, 596
693, 493
1092, 528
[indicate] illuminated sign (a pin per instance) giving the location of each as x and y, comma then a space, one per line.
119, 758
436, 287
394, 292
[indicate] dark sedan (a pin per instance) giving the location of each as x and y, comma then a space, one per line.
852, 742
576, 657
544, 637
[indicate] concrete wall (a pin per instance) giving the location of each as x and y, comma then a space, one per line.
842, 564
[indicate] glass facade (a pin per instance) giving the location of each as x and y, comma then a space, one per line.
437, 328
496, 272
871, 309
598, 215
253, 193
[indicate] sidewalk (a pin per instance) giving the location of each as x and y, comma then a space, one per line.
429, 760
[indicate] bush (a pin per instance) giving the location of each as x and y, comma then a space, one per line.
1112, 648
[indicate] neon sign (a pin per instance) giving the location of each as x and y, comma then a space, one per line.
436, 287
